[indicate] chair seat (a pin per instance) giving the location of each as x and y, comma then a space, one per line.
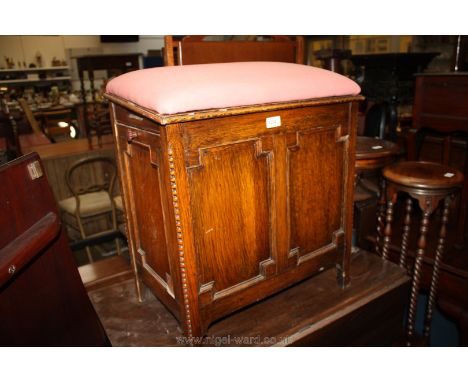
423, 175
93, 203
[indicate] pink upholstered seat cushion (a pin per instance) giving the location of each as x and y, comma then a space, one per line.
176, 89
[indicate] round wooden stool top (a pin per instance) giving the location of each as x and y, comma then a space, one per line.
374, 153
423, 175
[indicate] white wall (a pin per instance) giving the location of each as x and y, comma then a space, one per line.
24, 48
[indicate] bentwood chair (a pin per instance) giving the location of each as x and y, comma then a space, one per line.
91, 181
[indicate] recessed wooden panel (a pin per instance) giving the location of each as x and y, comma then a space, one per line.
230, 213
315, 189
151, 240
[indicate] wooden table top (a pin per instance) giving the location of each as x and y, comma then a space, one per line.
69, 147
367, 147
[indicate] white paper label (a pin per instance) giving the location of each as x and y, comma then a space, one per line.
35, 170
377, 147
273, 122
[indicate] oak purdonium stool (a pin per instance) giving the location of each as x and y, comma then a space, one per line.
429, 184
237, 180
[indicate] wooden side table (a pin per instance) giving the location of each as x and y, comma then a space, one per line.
428, 183
439, 106
372, 154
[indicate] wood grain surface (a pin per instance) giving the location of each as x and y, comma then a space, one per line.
315, 312
223, 211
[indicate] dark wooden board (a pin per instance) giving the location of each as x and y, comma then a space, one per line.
42, 299
315, 312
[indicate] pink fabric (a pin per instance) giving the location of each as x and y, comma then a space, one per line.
176, 89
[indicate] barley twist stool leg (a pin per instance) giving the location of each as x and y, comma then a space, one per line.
415, 285
388, 226
436, 270
406, 231
380, 219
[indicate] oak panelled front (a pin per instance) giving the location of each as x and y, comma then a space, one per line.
143, 161
264, 201
315, 190
230, 212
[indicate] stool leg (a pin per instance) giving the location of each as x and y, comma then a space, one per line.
435, 271
462, 213
380, 218
388, 225
406, 231
415, 285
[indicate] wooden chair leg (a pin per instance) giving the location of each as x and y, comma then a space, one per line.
115, 228
83, 236
417, 270
436, 270
406, 231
